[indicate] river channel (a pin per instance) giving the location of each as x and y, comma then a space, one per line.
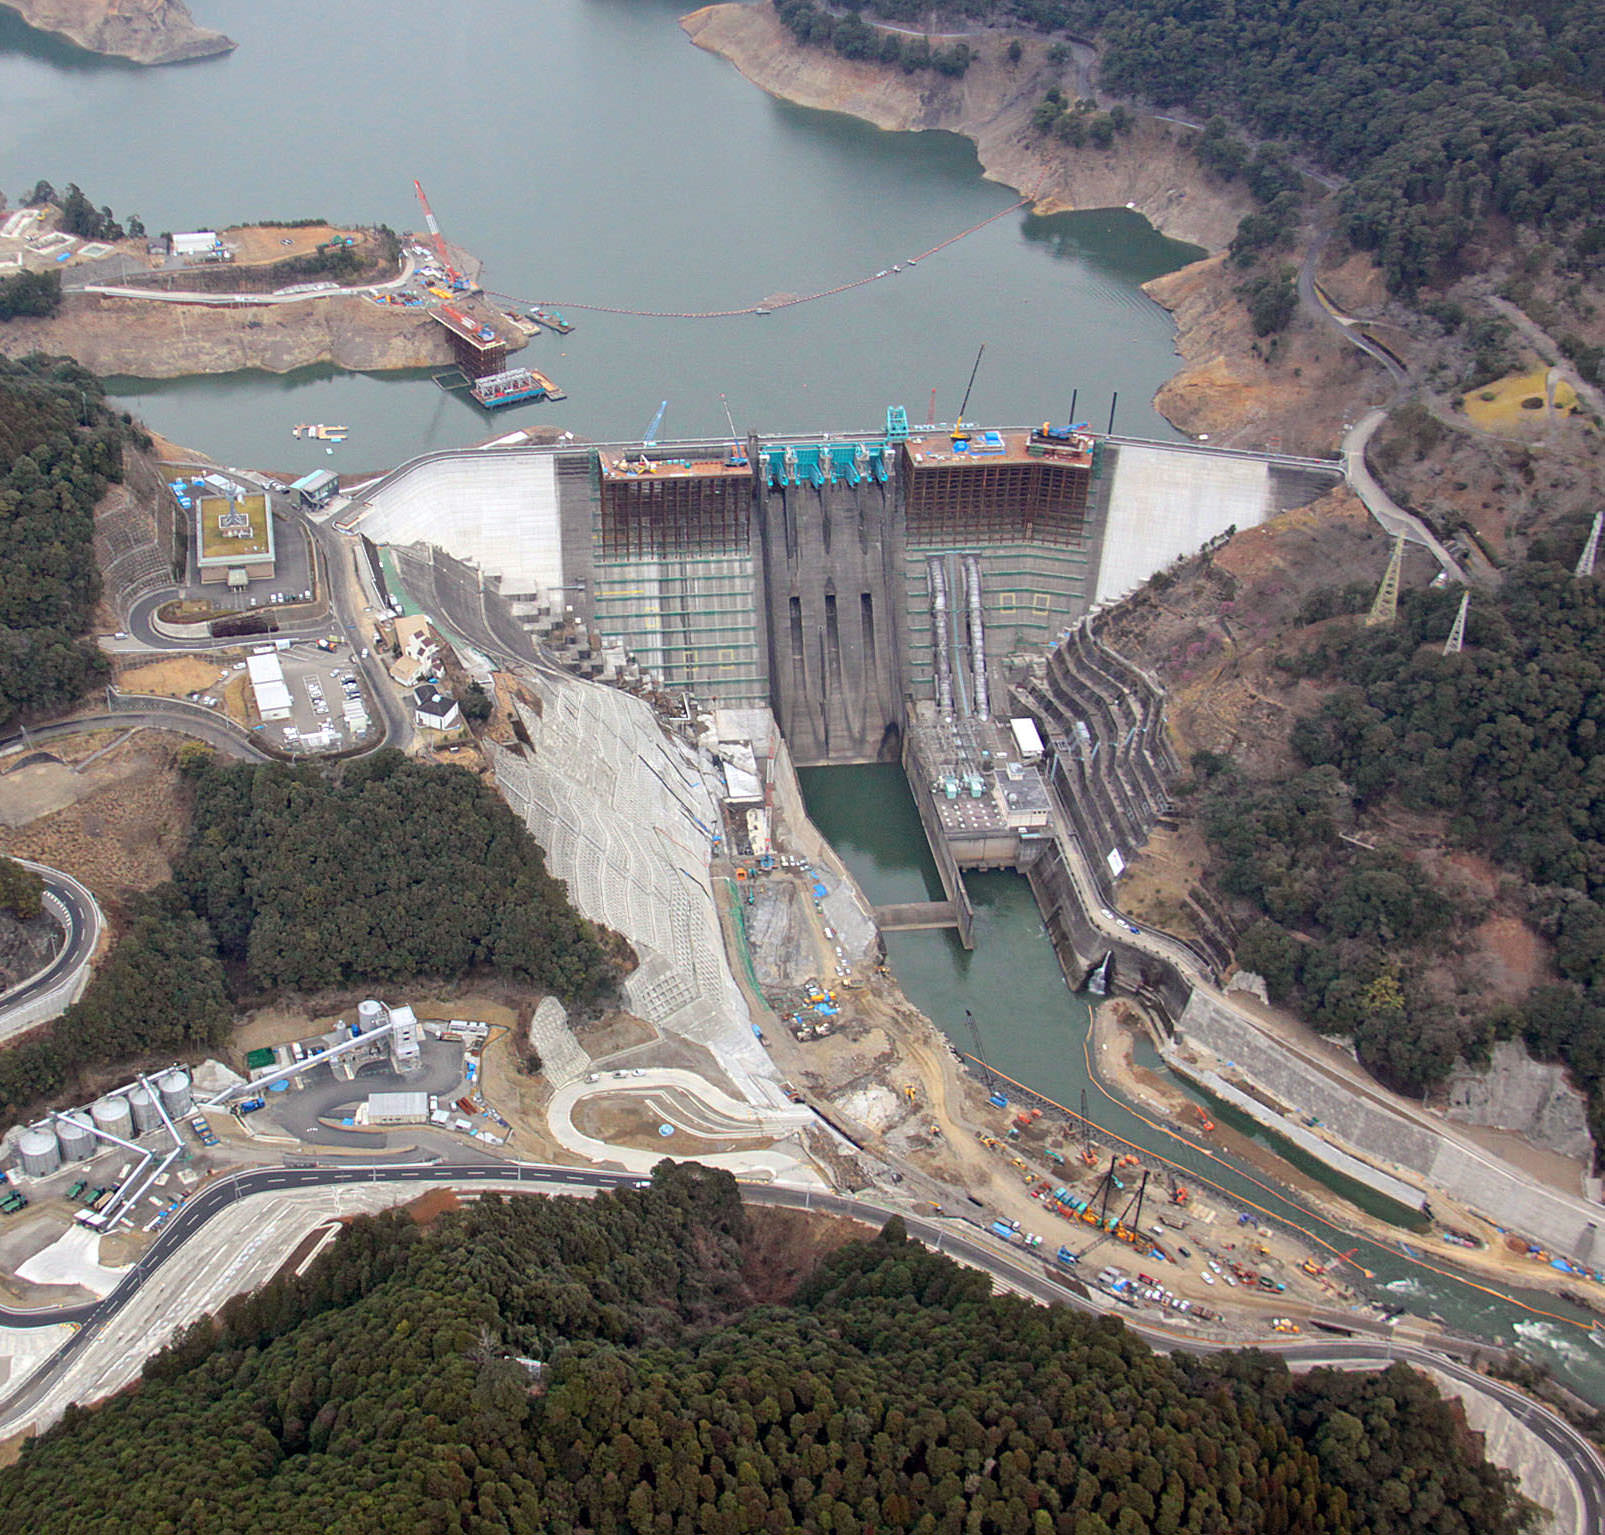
589, 154
1034, 1029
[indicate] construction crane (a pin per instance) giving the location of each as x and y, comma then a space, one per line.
964, 404
980, 1054
651, 437
457, 278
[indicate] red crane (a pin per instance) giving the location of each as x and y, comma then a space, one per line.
435, 234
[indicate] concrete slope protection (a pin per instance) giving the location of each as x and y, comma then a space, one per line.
1581, 1462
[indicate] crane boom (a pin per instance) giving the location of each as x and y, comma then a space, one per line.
650, 440
435, 234
965, 405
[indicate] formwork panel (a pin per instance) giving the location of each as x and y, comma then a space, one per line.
644, 518
997, 503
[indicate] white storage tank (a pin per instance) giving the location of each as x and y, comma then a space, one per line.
39, 1151
113, 1115
77, 1139
143, 1107
370, 1015
174, 1087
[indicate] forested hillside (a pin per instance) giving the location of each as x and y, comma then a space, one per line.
1442, 114
160, 992
378, 874
571, 1365
1503, 742
59, 450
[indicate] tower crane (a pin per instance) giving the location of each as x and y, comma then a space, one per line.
457, 278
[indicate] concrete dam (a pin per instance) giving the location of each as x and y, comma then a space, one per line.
819, 576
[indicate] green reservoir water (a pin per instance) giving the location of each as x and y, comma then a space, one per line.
1034, 1028
589, 154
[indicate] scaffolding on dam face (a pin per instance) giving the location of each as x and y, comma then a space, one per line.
998, 486
661, 503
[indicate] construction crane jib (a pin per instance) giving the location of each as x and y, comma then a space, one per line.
435, 235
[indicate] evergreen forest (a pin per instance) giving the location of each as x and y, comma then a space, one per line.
383, 872
377, 875
1505, 743
60, 448
567, 1365
1443, 115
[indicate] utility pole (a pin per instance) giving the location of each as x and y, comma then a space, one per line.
1457, 635
1385, 605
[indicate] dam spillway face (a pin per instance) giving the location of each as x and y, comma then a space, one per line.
797, 574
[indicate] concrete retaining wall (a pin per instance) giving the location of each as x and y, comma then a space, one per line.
1509, 1443
1312, 1145
562, 1057
1566, 1224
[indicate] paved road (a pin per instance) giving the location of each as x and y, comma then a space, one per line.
235, 300
231, 741
347, 603
1393, 517
1005, 1265
1318, 304
84, 922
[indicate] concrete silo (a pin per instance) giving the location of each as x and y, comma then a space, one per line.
113, 1115
77, 1139
39, 1151
174, 1086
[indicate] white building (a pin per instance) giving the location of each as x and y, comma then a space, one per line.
398, 1108
405, 1046
269, 687
434, 710
200, 245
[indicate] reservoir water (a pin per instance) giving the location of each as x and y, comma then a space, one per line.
1034, 1028
588, 153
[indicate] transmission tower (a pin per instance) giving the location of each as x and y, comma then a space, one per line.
1385, 605
1585, 561
1457, 635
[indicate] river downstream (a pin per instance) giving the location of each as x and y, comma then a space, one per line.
1035, 1029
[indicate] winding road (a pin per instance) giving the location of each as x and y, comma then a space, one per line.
80, 916
1581, 1460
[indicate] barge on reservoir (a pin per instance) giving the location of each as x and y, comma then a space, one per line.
513, 387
